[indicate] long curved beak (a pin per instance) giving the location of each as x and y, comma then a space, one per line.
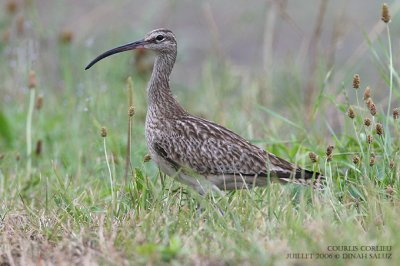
123, 48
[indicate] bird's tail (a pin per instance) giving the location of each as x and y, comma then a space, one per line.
290, 173
303, 177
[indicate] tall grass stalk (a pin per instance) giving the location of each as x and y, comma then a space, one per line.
131, 112
29, 131
359, 141
358, 102
128, 149
329, 179
104, 134
390, 83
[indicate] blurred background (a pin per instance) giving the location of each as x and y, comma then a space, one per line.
253, 36
234, 57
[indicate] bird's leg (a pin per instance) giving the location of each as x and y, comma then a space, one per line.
211, 194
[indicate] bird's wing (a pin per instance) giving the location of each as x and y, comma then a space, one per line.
210, 149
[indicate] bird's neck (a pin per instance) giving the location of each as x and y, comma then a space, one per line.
158, 92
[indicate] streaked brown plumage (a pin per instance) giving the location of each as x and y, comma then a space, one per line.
196, 151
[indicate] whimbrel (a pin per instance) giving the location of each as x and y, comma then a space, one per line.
196, 151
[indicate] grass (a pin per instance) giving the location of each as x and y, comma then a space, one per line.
72, 203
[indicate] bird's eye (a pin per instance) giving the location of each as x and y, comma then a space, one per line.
159, 38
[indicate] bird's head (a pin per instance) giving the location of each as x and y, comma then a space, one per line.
159, 40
